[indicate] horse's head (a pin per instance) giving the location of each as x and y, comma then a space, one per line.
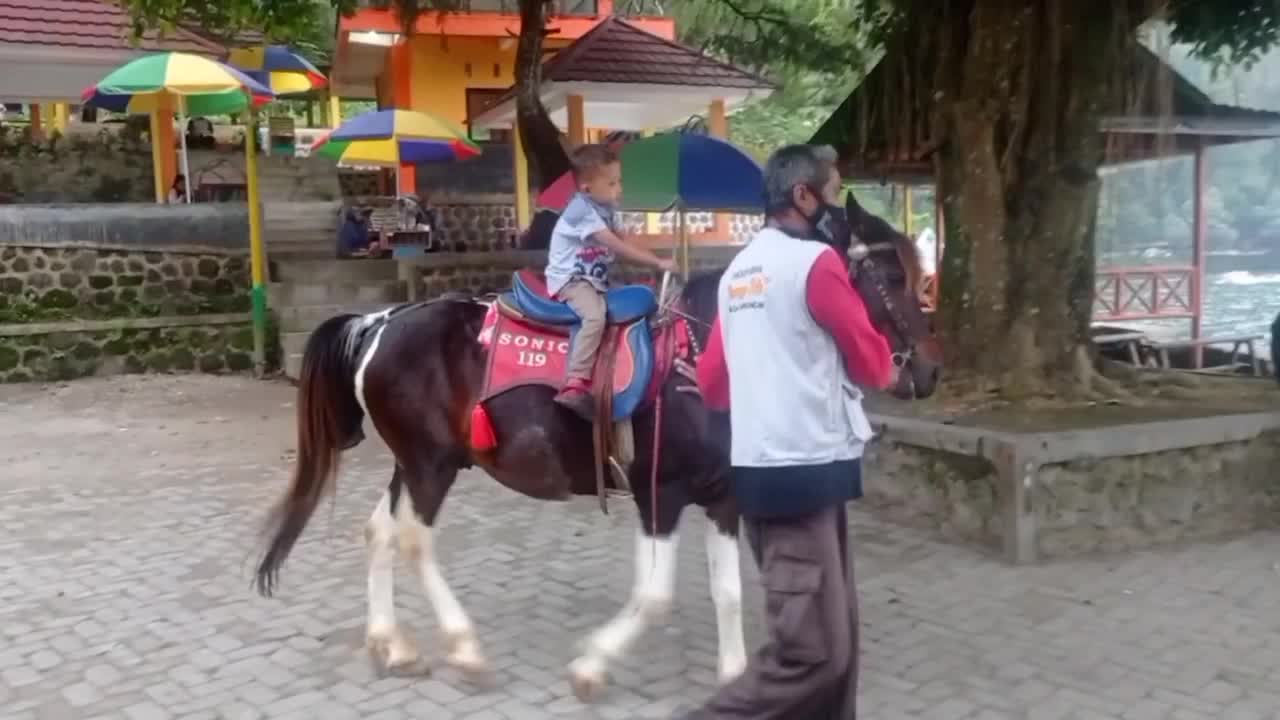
885, 270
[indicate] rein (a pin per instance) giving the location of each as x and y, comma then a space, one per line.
863, 265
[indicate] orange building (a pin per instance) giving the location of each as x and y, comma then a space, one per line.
455, 62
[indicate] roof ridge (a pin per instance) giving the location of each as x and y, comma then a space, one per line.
693, 51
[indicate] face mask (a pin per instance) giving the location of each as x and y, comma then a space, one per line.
830, 224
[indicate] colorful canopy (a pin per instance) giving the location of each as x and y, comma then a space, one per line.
685, 171
279, 68
199, 85
394, 137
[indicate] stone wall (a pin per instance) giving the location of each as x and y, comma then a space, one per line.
75, 350
66, 283
90, 290
959, 496
1124, 503
477, 222
1052, 494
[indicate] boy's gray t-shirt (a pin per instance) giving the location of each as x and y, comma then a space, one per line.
573, 253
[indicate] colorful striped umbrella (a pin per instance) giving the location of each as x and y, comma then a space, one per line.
279, 68
186, 83
390, 138
679, 171
685, 171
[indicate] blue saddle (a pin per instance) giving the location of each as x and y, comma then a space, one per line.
629, 305
625, 304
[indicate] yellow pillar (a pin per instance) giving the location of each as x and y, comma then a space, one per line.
335, 111
577, 110
718, 124
520, 166
59, 118
164, 161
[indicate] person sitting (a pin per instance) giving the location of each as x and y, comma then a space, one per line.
178, 191
200, 134
583, 244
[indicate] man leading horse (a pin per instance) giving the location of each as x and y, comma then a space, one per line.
789, 318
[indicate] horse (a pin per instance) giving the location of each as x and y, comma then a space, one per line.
416, 372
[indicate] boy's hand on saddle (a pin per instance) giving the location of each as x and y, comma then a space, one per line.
668, 265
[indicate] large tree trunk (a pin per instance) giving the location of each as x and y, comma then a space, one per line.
541, 138
1016, 96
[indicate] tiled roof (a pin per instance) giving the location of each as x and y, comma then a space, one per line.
615, 51
88, 25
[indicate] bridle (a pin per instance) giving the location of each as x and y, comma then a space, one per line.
862, 264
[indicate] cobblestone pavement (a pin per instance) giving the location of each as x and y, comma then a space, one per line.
128, 513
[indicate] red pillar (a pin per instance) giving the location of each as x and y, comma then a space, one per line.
1200, 226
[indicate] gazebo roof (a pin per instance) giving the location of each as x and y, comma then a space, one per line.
53, 49
1168, 115
631, 79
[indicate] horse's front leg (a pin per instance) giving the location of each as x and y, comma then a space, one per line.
723, 566
650, 600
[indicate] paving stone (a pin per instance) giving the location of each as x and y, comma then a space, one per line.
124, 592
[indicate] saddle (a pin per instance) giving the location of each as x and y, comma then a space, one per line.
530, 334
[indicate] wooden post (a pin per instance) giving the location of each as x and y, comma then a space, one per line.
577, 110
36, 117
906, 209
1199, 229
520, 166
718, 124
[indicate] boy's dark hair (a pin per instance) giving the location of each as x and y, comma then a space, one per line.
588, 159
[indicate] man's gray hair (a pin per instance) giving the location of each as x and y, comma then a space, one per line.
795, 165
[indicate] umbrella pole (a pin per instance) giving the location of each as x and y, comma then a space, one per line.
683, 249
257, 254
182, 134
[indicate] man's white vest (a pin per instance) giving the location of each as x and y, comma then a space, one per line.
791, 402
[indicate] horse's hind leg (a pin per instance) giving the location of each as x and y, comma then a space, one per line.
427, 481
651, 596
388, 645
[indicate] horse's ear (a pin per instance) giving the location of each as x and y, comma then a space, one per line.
851, 206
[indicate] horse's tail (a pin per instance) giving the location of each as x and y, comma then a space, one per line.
328, 414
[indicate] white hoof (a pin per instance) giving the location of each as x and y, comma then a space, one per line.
587, 678
731, 669
390, 648
464, 654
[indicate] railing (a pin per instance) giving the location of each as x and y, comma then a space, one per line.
560, 7
1144, 292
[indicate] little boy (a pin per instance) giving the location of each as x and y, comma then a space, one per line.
583, 244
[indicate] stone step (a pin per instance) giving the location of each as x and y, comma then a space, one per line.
341, 271
307, 318
292, 294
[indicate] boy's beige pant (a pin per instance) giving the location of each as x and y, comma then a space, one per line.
588, 303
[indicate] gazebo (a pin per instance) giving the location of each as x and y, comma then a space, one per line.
621, 77
1169, 116
51, 50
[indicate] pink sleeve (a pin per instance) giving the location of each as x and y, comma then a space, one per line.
713, 373
838, 308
